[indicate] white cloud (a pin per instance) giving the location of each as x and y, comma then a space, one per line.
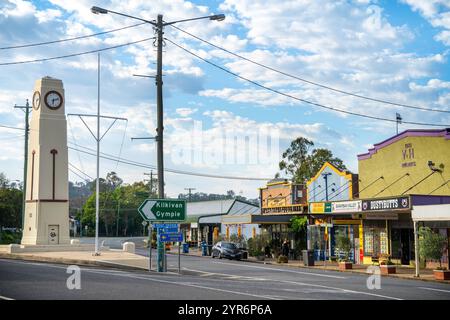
437, 12
48, 15
17, 8
186, 112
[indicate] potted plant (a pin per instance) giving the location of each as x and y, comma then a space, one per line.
386, 265
344, 245
256, 246
432, 246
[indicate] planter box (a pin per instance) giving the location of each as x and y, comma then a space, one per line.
345, 265
387, 269
441, 274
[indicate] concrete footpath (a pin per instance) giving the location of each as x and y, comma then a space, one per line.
107, 258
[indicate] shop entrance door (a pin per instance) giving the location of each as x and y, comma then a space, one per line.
405, 246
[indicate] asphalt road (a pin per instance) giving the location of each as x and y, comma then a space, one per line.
207, 279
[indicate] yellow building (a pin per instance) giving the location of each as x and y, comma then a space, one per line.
401, 165
406, 170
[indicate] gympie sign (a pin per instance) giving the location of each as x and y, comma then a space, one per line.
397, 203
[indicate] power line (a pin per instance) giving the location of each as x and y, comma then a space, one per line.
309, 81
74, 54
69, 39
9, 127
299, 99
81, 171
79, 176
142, 165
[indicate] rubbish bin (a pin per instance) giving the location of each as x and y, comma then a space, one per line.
204, 248
308, 257
244, 254
185, 247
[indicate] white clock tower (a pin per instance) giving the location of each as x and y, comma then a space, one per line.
47, 200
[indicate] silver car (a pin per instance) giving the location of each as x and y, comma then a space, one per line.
226, 250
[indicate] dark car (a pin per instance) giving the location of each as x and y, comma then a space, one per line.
226, 250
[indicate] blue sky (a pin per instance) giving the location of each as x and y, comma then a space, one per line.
391, 50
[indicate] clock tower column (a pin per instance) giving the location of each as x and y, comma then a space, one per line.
47, 200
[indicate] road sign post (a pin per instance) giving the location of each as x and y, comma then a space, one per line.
150, 233
163, 211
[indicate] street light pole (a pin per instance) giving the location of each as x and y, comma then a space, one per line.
159, 25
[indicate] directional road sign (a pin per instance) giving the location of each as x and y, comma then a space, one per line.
163, 210
171, 237
165, 226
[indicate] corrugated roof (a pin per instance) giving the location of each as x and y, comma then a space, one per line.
219, 208
201, 208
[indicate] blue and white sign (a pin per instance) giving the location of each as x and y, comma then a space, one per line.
171, 237
167, 227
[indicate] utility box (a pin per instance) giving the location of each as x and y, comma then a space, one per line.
308, 257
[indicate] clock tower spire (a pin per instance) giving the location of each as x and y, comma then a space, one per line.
47, 198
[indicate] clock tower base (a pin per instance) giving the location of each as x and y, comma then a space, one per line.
47, 223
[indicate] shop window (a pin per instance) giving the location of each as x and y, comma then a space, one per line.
375, 239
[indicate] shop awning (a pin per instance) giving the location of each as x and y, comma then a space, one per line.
272, 219
437, 212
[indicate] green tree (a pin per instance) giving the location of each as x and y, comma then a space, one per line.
432, 245
302, 163
10, 207
298, 225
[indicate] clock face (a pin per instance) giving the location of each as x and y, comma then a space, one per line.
36, 100
53, 100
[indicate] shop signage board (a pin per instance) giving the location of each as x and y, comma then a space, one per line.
396, 203
381, 216
346, 206
163, 210
320, 207
295, 208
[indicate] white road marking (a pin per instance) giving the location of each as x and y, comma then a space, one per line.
433, 289
229, 276
191, 285
5, 298
124, 274
284, 270
341, 289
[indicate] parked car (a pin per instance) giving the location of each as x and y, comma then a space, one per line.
226, 250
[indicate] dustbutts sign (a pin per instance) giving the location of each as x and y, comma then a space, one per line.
397, 203
163, 210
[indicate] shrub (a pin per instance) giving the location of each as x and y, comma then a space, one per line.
256, 245
432, 245
9, 237
344, 244
282, 259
